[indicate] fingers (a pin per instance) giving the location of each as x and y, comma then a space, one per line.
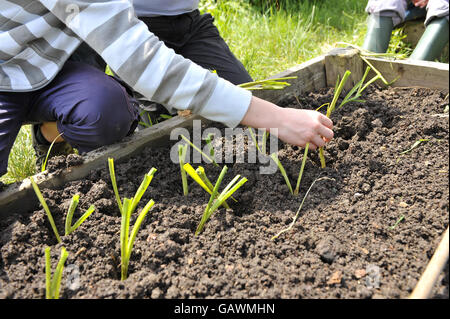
326, 121
326, 133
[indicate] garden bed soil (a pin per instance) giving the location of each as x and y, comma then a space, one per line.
342, 245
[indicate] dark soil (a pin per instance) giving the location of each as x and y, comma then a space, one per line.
342, 243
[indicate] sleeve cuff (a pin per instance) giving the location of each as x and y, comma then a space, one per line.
228, 104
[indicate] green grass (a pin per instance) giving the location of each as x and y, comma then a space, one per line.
268, 42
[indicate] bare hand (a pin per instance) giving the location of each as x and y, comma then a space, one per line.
301, 127
297, 127
420, 3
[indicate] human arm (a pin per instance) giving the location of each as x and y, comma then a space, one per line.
293, 126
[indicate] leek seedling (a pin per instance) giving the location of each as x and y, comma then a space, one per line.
46, 209
182, 150
353, 95
112, 174
299, 208
216, 200
200, 177
415, 145
52, 285
268, 84
397, 222
274, 156
139, 192
73, 205
126, 238
200, 151
44, 165
69, 228
210, 146
263, 147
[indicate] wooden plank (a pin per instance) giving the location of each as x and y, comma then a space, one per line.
424, 287
21, 197
338, 61
310, 77
411, 73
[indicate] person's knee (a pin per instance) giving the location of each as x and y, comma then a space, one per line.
104, 117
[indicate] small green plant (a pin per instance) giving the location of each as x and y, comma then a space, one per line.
126, 210
397, 222
200, 177
126, 238
52, 285
263, 147
44, 165
299, 208
182, 150
212, 153
112, 174
69, 228
212, 160
415, 145
216, 200
268, 84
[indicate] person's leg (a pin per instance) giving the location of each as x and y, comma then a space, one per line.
384, 15
13, 111
436, 34
90, 108
208, 49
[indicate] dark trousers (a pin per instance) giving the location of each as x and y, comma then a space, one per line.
90, 108
195, 37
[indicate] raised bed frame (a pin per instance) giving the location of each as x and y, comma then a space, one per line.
312, 75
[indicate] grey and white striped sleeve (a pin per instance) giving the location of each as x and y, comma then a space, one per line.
146, 64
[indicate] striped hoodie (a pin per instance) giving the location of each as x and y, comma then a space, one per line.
37, 37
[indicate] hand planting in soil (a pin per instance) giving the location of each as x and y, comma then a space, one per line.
69, 228
52, 285
354, 95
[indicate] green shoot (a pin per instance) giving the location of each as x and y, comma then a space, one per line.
112, 174
182, 150
216, 200
46, 209
263, 148
210, 146
69, 228
201, 172
268, 84
200, 177
44, 165
52, 285
166, 116
302, 168
274, 156
415, 145
200, 151
73, 205
252, 135
298, 211
397, 222
142, 188
127, 239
